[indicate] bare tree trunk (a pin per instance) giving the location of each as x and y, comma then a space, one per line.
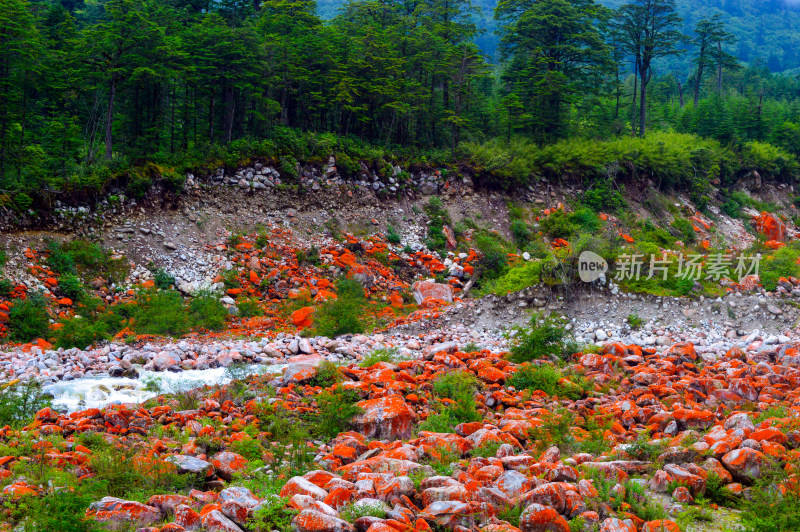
719, 69
635, 95
643, 103
680, 90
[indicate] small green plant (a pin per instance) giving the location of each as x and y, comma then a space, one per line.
486, 450
207, 312
543, 337
160, 312
336, 410
635, 321
355, 511
273, 514
343, 314
28, 319
392, 236
80, 332
19, 401
441, 460
782, 263
72, 287
380, 355
249, 307
521, 233
6, 286
327, 374
162, 279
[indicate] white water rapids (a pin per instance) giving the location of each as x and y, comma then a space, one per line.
98, 392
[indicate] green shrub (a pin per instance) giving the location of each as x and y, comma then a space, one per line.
28, 319
71, 287
769, 510
686, 230
6, 286
343, 314
160, 312
162, 279
517, 278
494, 259
249, 307
602, 196
327, 374
634, 320
521, 233
392, 236
380, 355
782, 263
273, 514
58, 258
80, 332
19, 402
460, 387
336, 410
207, 312
543, 337
352, 512
529, 377
558, 225
585, 220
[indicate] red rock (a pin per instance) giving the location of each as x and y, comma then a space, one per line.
215, 521
770, 434
302, 486
227, 463
312, 521
551, 494
682, 495
187, 517
428, 289
385, 418
745, 464
612, 524
661, 526
538, 518
46, 415
302, 317
166, 504
171, 527
119, 513
771, 226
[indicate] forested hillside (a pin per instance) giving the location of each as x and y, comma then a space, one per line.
119, 94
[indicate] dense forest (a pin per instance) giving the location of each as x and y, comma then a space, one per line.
90, 90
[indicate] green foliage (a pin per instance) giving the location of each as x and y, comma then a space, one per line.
494, 258
28, 319
249, 307
162, 279
207, 312
80, 332
487, 449
603, 197
686, 230
438, 217
380, 355
558, 225
6, 286
641, 504
341, 315
19, 402
70, 286
352, 512
517, 278
634, 320
782, 263
392, 236
336, 410
327, 374
160, 312
85, 258
273, 514
545, 336
521, 233
769, 510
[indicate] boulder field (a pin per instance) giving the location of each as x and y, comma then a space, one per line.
648, 433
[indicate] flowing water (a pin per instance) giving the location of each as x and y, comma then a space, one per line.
98, 392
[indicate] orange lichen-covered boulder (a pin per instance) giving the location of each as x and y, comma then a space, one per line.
539, 518
119, 513
227, 463
302, 317
745, 464
662, 525
385, 418
429, 289
313, 521
771, 226
215, 521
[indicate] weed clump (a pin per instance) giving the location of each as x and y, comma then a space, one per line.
28, 319
543, 337
341, 315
